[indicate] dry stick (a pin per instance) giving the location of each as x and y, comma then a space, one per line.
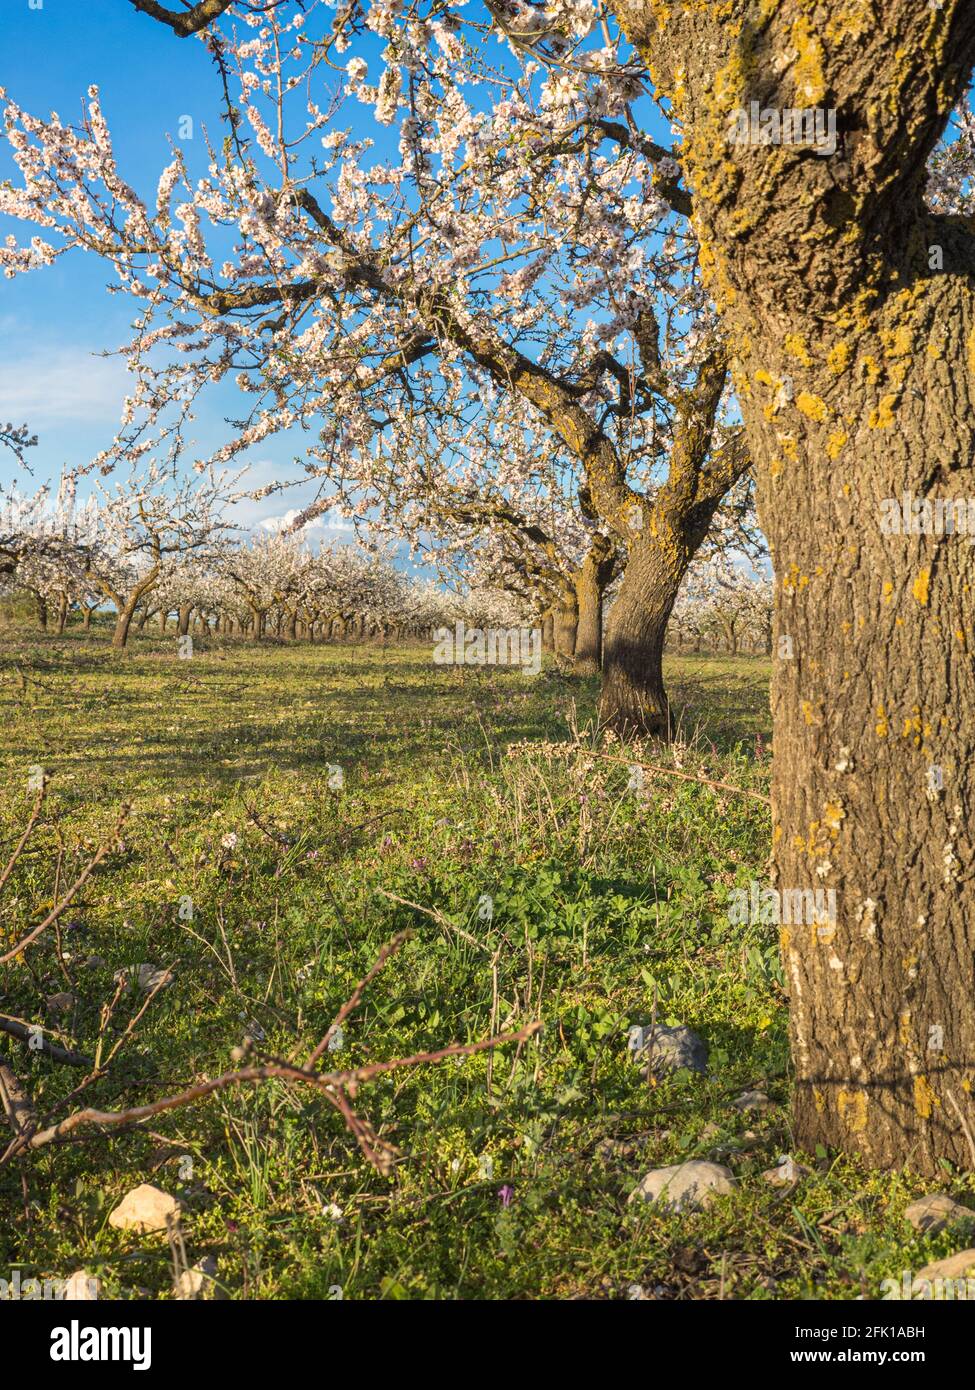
35, 1038
437, 916
964, 1124
352, 1002
72, 892
684, 776
327, 1082
19, 847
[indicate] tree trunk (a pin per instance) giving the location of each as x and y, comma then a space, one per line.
124, 621
566, 624
62, 616
548, 630
86, 619
590, 584
852, 318
42, 612
633, 698
874, 733
185, 613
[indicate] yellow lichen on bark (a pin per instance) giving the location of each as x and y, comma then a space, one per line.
852, 1106
924, 1098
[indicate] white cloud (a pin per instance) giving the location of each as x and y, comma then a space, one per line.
331, 520
46, 387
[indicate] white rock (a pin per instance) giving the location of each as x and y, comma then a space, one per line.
751, 1100
145, 976
665, 1049
958, 1266
198, 1281
145, 1208
936, 1211
785, 1173
684, 1186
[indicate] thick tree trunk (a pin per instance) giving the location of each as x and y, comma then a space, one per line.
874, 728
42, 613
86, 619
851, 315
62, 615
185, 613
633, 699
124, 621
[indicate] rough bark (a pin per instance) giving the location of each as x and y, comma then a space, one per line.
566, 624
633, 697
591, 580
855, 369
124, 621
548, 630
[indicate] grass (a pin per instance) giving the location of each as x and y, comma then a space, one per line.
457, 785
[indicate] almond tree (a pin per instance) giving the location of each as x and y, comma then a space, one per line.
524, 235
849, 306
146, 524
846, 309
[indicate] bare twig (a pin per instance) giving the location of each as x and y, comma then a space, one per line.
327, 1082
684, 776
437, 916
19, 847
352, 1002
72, 892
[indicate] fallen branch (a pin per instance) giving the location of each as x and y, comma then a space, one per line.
17, 1105
34, 1037
19, 847
684, 776
325, 1082
352, 1002
437, 916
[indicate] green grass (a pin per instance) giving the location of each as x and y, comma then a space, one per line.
457, 784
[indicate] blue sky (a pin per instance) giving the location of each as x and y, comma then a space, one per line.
54, 323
